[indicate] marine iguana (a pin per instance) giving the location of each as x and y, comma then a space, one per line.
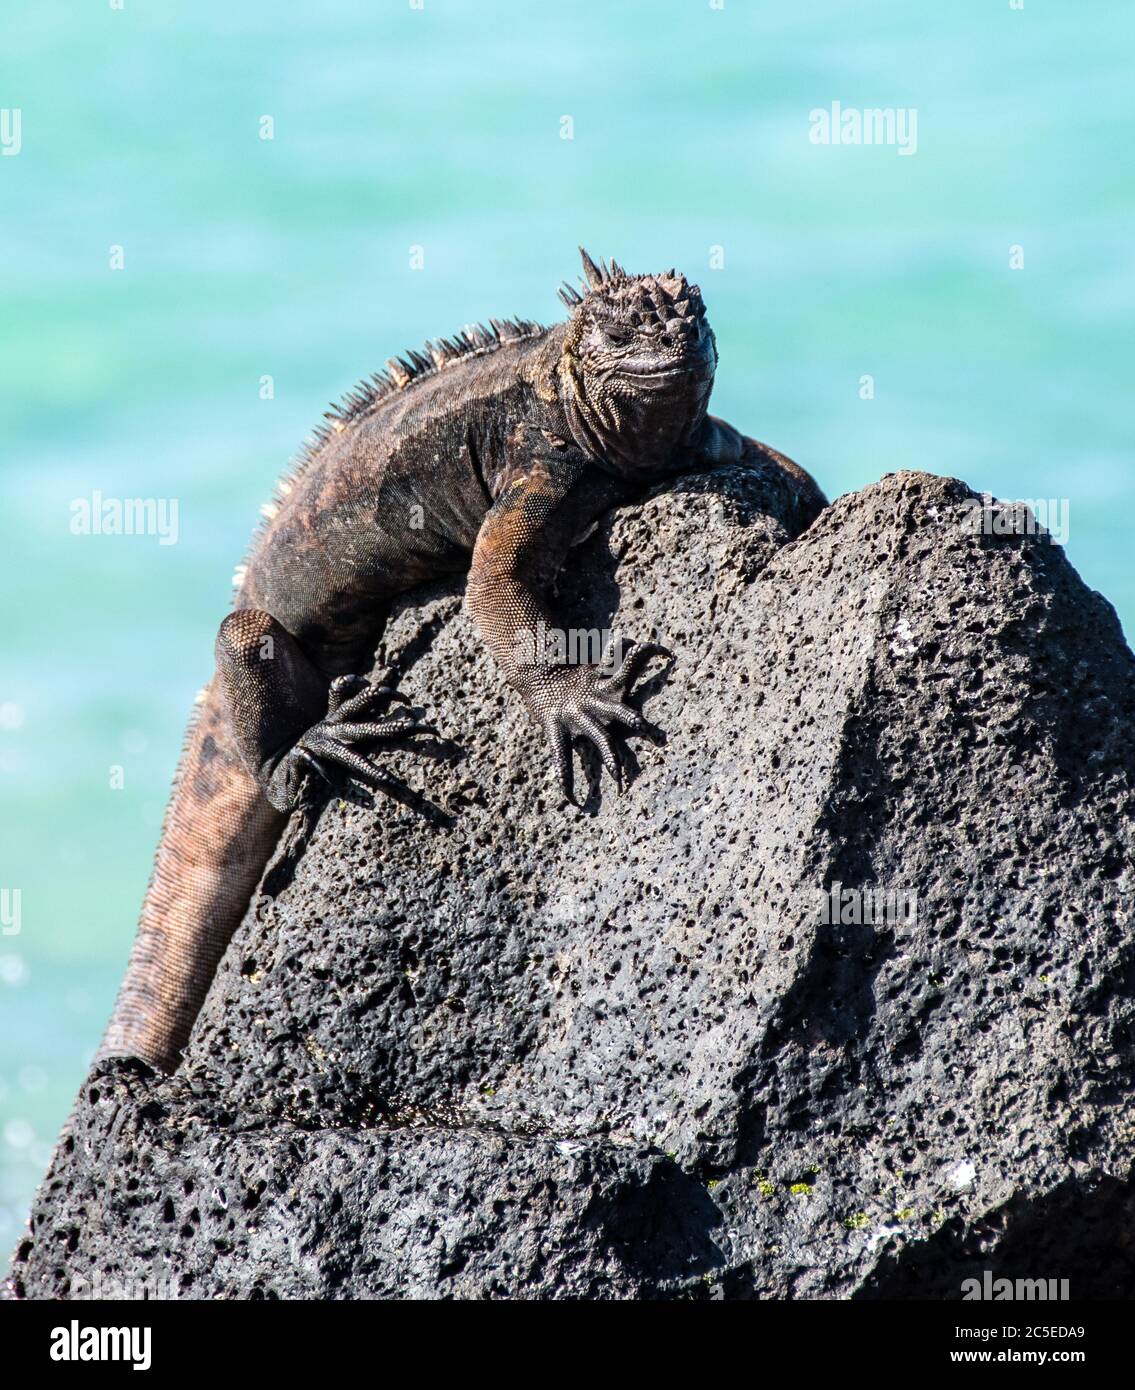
489, 453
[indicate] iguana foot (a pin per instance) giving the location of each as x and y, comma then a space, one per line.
357, 712
582, 701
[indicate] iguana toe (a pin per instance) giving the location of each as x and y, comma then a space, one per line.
583, 702
354, 716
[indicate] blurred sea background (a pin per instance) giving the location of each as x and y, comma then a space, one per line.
441, 127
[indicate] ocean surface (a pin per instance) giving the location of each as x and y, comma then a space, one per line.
180, 297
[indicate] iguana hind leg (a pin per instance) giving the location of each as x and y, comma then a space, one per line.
266, 723
288, 723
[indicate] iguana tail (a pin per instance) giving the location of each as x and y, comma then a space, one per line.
219, 833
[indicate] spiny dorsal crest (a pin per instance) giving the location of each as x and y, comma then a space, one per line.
399, 373
594, 277
650, 303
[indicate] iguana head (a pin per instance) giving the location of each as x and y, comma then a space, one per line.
638, 364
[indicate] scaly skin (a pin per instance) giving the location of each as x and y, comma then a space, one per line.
491, 458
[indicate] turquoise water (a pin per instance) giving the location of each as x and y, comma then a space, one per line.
440, 128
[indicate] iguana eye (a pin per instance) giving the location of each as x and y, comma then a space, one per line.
618, 335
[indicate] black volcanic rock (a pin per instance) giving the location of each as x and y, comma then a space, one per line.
480, 1043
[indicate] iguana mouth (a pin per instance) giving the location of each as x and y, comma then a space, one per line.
699, 367
655, 371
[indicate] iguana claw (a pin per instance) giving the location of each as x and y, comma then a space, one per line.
581, 701
355, 714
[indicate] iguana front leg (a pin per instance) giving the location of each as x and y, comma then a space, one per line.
288, 722
520, 546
